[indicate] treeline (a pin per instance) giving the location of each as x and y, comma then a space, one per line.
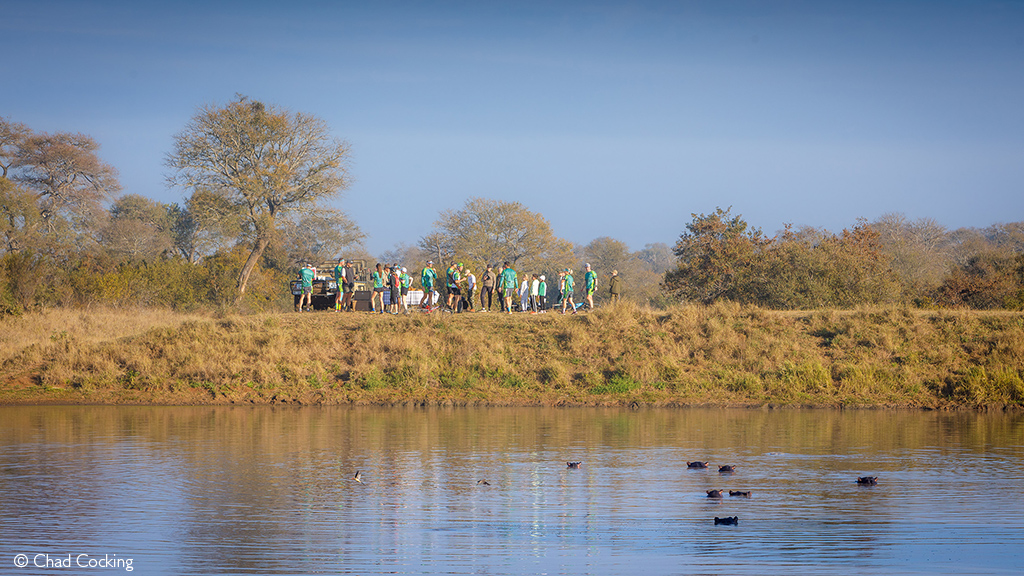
69, 238
890, 261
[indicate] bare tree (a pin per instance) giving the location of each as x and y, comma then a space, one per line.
266, 161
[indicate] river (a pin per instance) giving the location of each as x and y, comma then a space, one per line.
266, 490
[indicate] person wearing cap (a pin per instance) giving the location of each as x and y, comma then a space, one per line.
427, 279
306, 275
542, 294
406, 282
509, 285
339, 279
615, 286
568, 284
590, 284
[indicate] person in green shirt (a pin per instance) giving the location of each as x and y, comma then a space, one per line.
405, 281
509, 285
568, 284
427, 279
339, 279
306, 275
542, 293
590, 284
454, 277
378, 289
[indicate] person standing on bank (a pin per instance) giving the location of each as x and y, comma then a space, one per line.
487, 289
615, 286
568, 285
427, 279
470, 287
534, 294
306, 275
542, 294
350, 286
378, 290
590, 284
508, 285
339, 279
406, 281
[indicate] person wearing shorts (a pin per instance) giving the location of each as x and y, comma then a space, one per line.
454, 277
568, 284
339, 279
306, 275
427, 279
509, 285
590, 284
395, 285
406, 281
350, 286
378, 289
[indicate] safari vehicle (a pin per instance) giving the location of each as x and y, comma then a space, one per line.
325, 285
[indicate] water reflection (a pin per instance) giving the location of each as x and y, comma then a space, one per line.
216, 490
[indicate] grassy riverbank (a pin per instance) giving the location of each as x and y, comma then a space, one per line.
687, 355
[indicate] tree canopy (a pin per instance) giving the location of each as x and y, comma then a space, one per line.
489, 231
267, 162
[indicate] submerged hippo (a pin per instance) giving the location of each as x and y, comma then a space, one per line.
728, 520
867, 480
696, 464
574, 464
716, 493
728, 468
740, 493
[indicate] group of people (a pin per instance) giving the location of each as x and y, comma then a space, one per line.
532, 290
461, 286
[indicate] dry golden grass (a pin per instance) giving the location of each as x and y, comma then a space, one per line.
720, 354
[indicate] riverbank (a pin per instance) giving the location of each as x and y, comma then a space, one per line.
687, 355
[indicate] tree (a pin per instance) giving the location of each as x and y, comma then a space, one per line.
715, 259
20, 219
488, 231
139, 228
206, 224
266, 161
320, 237
67, 177
409, 256
12, 135
919, 252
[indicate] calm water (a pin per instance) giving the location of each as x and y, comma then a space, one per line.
270, 491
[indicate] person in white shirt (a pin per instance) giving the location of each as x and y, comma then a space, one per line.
524, 294
534, 295
470, 287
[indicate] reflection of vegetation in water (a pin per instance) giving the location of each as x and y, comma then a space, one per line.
722, 354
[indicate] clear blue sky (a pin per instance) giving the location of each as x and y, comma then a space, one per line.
611, 118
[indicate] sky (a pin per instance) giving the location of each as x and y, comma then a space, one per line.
614, 118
